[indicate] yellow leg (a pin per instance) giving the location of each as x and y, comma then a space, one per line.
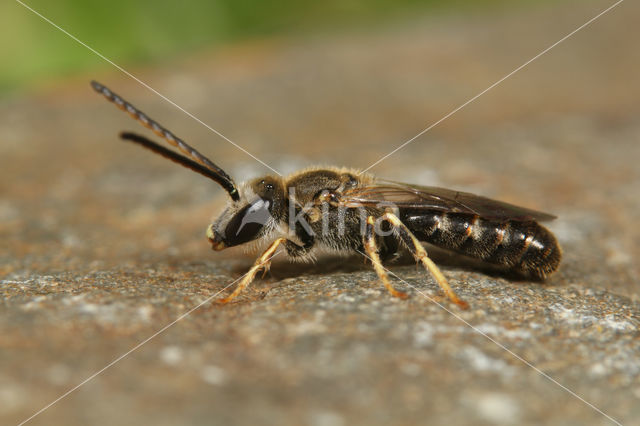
264, 261
419, 252
372, 251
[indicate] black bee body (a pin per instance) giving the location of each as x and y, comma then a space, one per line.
346, 211
523, 246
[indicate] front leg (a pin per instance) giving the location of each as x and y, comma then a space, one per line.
294, 250
264, 262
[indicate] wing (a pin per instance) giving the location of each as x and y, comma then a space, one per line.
440, 199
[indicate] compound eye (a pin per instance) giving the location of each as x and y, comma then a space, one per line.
246, 225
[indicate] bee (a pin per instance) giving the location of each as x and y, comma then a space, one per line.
345, 211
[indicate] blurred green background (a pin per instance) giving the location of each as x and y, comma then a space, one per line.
143, 32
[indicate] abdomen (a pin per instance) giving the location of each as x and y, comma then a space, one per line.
524, 246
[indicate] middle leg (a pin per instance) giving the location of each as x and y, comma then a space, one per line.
371, 248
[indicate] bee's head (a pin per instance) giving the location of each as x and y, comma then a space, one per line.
254, 210
252, 216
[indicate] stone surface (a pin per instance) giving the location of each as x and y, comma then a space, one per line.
103, 245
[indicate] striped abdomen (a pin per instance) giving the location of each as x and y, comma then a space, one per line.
524, 246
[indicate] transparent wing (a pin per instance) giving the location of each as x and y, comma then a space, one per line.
440, 199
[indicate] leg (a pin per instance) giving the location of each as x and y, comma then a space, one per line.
371, 248
293, 251
264, 261
418, 251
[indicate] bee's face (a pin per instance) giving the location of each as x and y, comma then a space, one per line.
251, 217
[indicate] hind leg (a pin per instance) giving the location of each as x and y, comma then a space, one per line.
418, 251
